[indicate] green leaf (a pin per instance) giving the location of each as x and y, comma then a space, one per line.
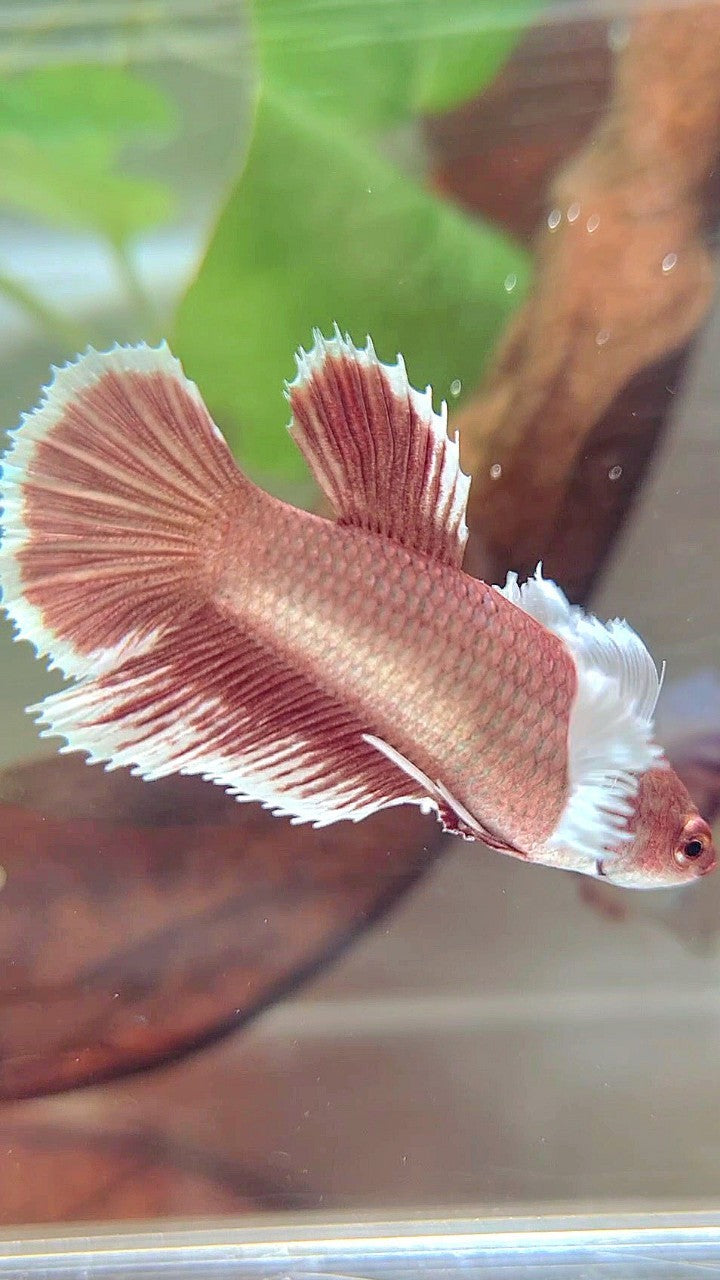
62, 102
61, 134
470, 53
378, 62
72, 184
352, 59
319, 228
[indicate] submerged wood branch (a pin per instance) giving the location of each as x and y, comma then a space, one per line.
624, 278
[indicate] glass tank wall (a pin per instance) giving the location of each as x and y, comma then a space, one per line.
260, 1031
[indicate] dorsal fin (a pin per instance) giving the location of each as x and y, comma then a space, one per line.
378, 450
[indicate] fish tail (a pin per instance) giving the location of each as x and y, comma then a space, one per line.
115, 493
121, 504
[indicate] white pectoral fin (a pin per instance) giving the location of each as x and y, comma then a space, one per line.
454, 816
610, 735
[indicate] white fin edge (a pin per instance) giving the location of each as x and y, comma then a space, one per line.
67, 383
610, 734
454, 483
252, 783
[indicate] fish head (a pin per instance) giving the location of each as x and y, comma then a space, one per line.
670, 844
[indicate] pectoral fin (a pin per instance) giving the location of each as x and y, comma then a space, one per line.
455, 818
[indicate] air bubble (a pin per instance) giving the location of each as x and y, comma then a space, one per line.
455, 387
554, 218
510, 282
573, 212
593, 223
615, 472
669, 261
495, 471
602, 336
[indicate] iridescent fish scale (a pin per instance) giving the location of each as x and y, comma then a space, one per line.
487, 738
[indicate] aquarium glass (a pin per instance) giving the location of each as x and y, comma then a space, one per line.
234, 1044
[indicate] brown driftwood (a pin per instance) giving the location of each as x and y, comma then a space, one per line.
558, 436
142, 920
497, 154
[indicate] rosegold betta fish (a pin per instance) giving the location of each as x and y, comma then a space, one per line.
326, 669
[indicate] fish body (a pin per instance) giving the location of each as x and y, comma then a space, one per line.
324, 668
431, 660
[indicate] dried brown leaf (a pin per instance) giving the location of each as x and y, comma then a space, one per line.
141, 920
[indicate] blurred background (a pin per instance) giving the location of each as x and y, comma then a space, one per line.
202, 1009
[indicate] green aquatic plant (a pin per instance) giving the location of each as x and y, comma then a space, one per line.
328, 215
62, 133
324, 224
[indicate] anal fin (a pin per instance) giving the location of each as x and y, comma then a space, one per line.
211, 700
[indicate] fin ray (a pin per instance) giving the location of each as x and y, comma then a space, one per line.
378, 450
119, 470
213, 701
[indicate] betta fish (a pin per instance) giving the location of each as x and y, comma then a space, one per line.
325, 668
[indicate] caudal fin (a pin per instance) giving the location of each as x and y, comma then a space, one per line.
114, 493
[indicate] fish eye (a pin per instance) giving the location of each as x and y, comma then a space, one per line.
695, 842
